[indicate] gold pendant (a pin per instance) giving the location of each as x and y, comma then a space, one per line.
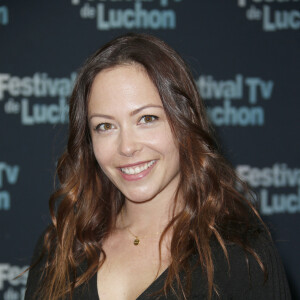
136, 242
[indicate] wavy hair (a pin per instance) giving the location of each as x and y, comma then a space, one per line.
85, 206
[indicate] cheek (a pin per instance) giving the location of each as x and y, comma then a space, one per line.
163, 142
102, 153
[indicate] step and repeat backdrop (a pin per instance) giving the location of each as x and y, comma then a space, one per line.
244, 55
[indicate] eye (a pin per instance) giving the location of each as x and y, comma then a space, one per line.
104, 127
148, 119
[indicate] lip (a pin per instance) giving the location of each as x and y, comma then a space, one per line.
136, 164
134, 177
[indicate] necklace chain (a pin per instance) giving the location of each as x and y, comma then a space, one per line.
136, 238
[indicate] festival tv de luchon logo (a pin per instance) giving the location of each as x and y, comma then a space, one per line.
237, 101
37, 99
277, 187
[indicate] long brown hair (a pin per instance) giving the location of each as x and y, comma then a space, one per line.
85, 206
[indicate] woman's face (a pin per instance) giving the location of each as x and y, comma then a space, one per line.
132, 139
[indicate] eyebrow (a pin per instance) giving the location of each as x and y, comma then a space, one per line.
134, 112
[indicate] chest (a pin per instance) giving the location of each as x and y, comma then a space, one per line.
129, 270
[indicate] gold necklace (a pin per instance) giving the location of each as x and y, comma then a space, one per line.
136, 241
136, 238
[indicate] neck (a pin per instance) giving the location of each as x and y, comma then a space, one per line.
149, 217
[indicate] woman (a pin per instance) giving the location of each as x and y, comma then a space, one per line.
147, 207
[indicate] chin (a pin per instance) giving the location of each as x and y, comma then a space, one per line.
139, 196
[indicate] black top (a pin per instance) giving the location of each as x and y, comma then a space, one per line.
237, 283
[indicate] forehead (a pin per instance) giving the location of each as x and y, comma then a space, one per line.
127, 86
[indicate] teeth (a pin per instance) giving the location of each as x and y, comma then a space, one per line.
137, 170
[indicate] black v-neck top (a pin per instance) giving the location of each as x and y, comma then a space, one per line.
240, 282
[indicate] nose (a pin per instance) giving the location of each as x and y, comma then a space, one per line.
129, 143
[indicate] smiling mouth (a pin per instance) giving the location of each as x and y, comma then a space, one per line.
139, 169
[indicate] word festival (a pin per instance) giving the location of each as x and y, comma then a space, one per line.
37, 85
